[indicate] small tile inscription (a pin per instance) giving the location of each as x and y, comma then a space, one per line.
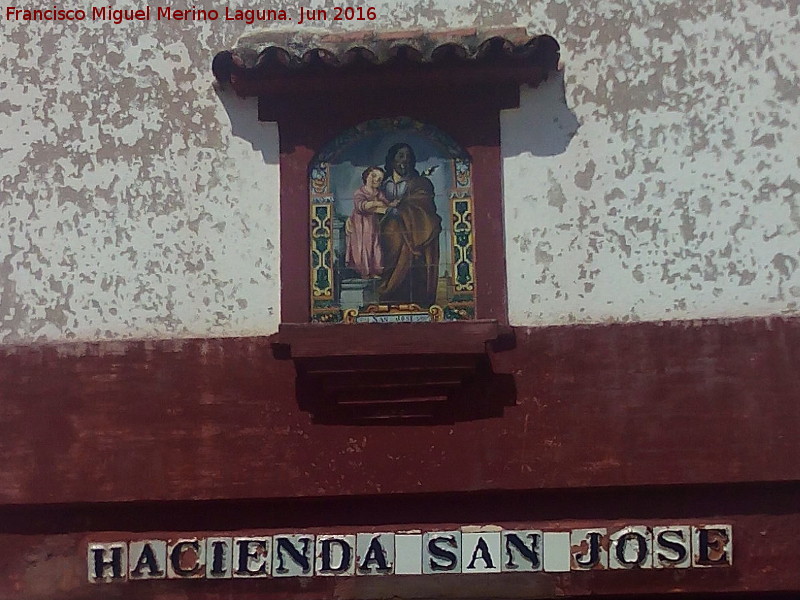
470, 549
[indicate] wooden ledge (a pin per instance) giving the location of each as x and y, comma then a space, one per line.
308, 340
403, 372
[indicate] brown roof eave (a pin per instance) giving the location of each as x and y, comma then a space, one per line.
443, 58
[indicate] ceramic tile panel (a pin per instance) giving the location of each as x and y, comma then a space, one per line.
370, 194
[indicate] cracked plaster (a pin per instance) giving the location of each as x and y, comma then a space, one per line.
130, 206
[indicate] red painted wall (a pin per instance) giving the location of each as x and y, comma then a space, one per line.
628, 424
617, 405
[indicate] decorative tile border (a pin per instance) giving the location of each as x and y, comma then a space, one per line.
470, 549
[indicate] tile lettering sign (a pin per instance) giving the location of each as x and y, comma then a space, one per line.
470, 549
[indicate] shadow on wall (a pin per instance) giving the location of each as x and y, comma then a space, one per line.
243, 115
543, 125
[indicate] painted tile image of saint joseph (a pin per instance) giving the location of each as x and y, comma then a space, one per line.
409, 232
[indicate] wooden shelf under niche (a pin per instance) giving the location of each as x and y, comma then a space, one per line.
399, 372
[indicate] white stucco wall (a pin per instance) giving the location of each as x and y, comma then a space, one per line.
655, 179
677, 196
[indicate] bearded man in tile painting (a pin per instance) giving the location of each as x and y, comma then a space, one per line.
409, 232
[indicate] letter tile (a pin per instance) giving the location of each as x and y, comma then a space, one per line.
219, 557
147, 559
106, 562
252, 556
293, 555
374, 553
712, 546
186, 558
441, 552
522, 550
480, 552
589, 549
672, 547
631, 548
335, 555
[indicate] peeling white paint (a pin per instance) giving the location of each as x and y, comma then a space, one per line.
136, 201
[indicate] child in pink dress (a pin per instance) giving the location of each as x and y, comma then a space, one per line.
363, 227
